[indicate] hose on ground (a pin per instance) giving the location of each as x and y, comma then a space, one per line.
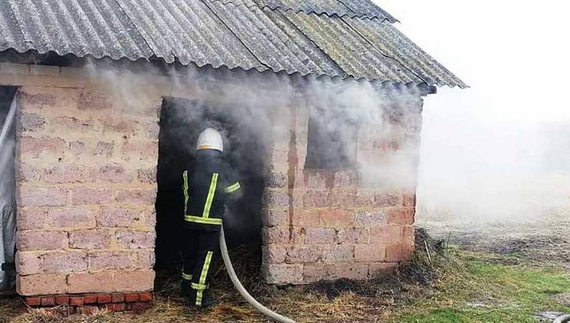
562, 319
227, 262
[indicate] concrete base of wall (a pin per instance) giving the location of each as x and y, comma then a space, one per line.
136, 303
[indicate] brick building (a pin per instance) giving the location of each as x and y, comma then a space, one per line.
101, 85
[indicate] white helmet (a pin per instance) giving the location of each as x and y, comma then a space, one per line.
210, 139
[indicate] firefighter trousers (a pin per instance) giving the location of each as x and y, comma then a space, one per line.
200, 248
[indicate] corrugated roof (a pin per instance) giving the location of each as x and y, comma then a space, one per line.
232, 33
341, 8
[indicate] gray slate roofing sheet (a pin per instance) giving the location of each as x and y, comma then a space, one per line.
231, 33
350, 8
80, 27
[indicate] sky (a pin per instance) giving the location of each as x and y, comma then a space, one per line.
503, 144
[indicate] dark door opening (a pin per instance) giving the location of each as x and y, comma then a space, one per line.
7, 188
181, 122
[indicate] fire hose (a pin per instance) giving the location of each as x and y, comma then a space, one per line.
562, 319
229, 267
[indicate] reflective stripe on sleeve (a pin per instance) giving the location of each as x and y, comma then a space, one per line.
233, 188
201, 220
211, 193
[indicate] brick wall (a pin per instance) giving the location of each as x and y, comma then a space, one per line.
326, 225
86, 190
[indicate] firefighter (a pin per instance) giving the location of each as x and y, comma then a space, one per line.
206, 187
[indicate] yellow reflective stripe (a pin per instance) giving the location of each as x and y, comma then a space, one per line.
233, 188
201, 220
186, 276
203, 276
198, 286
211, 193
185, 189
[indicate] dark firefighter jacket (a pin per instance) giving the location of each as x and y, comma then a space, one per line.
206, 186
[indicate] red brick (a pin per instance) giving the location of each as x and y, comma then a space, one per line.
407, 252
146, 259
303, 255
42, 284
31, 122
345, 179
72, 124
90, 299
48, 301
339, 253
140, 151
62, 300
315, 272
276, 179
112, 174
319, 236
350, 271
33, 301
283, 274
44, 147
379, 269
316, 199
141, 307
401, 215
124, 217
105, 260
147, 175
118, 298
31, 218
104, 298
409, 198
137, 196
64, 262
116, 307
152, 129
385, 234
28, 262
336, 218
29, 96
119, 124
275, 218
369, 253
275, 199
134, 281
38, 196
384, 199
353, 235
41, 240
145, 297
408, 234
306, 218
135, 239
274, 254
130, 298
90, 239
67, 174
343, 198
88, 310
99, 282
398, 252
76, 300
70, 217
318, 179
370, 218
93, 101
87, 195
27, 173
282, 236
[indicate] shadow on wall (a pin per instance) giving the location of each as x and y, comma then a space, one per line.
181, 122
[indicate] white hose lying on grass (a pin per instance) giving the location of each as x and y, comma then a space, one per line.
241, 289
562, 319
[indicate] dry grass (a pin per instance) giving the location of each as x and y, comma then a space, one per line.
434, 287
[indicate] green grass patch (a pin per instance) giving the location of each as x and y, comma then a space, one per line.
479, 287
